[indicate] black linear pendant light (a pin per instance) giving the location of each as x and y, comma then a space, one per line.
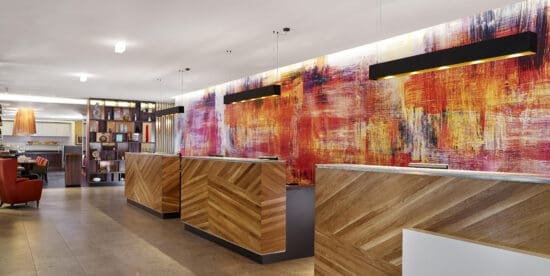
511, 46
254, 94
175, 109
262, 92
169, 111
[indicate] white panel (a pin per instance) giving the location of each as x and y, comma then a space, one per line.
42, 129
7, 128
53, 129
426, 255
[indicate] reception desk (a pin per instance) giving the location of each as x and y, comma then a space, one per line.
153, 183
242, 204
360, 212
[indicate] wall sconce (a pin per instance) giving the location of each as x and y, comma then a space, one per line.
254, 94
24, 123
511, 46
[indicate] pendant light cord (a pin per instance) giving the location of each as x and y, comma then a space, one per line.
276, 49
379, 30
276, 55
181, 81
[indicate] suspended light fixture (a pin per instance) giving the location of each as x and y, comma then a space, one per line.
24, 123
174, 109
170, 111
511, 46
261, 92
277, 35
253, 94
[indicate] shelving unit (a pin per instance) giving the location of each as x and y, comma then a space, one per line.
115, 127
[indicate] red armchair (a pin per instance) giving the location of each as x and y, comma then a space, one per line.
17, 190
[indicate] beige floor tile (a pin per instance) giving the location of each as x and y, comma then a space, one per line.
15, 265
93, 231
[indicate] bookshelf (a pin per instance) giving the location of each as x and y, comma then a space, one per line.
115, 127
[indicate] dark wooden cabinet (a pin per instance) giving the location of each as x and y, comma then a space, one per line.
73, 167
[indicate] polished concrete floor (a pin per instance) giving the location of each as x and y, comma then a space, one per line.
92, 231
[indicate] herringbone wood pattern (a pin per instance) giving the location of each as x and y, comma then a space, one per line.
153, 181
242, 202
360, 216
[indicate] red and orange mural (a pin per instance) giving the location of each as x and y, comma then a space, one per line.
493, 116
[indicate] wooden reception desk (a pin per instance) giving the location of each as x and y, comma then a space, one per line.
242, 204
153, 183
361, 211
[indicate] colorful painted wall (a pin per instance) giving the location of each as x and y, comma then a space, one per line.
493, 116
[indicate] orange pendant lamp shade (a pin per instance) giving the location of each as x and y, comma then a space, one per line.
24, 123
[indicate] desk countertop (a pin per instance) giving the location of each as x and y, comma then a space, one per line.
499, 176
234, 159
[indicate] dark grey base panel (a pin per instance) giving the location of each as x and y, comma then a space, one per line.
300, 226
300, 222
154, 212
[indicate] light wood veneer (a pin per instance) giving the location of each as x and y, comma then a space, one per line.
153, 181
360, 216
242, 201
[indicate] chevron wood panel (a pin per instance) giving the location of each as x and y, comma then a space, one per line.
360, 216
170, 182
241, 202
153, 181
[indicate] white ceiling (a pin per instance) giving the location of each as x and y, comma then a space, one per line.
43, 43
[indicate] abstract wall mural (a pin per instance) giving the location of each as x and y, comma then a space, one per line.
197, 128
493, 116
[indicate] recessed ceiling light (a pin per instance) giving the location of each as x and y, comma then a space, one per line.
83, 77
120, 47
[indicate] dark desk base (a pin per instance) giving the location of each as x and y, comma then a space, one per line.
154, 212
300, 226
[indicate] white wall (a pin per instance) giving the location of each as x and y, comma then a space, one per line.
61, 132
425, 254
48, 128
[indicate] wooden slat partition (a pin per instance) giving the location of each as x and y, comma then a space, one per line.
242, 201
153, 181
360, 215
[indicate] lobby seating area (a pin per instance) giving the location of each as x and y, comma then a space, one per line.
41, 168
14, 190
